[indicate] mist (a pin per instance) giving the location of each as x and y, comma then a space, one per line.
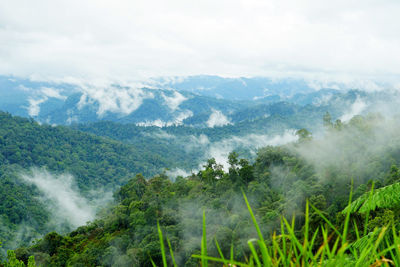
356, 109
63, 199
180, 116
174, 101
217, 119
172, 174
252, 142
115, 99
41, 96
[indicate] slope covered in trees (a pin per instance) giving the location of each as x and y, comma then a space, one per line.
188, 147
93, 162
363, 152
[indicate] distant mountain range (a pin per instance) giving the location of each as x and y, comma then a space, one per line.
170, 127
199, 101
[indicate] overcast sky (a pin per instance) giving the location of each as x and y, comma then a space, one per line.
127, 40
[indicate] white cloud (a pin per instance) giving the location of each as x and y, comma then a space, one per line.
177, 172
157, 123
220, 150
323, 100
195, 143
125, 40
39, 97
24, 88
163, 135
52, 93
180, 117
62, 197
343, 82
174, 101
34, 106
217, 118
356, 109
122, 100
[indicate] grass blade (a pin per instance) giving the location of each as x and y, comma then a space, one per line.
207, 258
220, 251
263, 246
253, 252
172, 253
204, 261
160, 235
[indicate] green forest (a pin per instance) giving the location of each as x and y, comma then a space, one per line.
330, 200
199, 133
93, 161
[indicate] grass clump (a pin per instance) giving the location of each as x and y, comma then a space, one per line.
335, 247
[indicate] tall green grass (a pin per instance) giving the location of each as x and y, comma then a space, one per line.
378, 248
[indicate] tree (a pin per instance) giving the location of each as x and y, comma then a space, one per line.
394, 176
246, 171
327, 119
212, 171
14, 262
233, 168
233, 159
304, 135
338, 125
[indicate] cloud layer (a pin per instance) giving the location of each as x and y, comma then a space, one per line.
251, 142
217, 118
62, 198
128, 40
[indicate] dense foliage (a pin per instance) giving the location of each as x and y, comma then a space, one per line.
93, 161
365, 151
188, 147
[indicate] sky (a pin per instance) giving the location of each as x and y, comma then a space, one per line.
128, 40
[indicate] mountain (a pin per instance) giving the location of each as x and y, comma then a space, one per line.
288, 147
24, 97
198, 101
283, 181
49, 153
238, 88
189, 147
246, 130
164, 105
44, 169
153, 107
61, 103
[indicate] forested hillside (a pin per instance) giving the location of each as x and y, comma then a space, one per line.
188, 147
199, 133
362, 154
93, 162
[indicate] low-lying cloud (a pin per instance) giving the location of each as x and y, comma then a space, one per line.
52, 93
360, 151
217, 119
123, 100
173, 101
251, 142
356, 108
178, 120
34, 106
220, 150
40, 97
177, 172
62, 198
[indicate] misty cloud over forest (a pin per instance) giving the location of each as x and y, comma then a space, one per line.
60, 195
